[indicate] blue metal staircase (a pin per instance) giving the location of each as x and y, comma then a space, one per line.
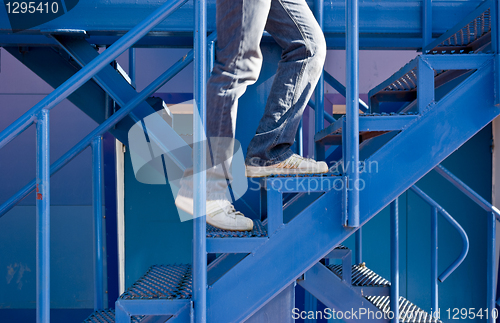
447, 95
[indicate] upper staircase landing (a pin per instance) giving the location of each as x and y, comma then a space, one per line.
398, 24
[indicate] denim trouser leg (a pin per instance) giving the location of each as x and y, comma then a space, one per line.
293, 26
240, 24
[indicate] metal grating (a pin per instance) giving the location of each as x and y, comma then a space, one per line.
469, 34
107, 316
361, 276
162, 282
259, 230
408, 312
407, 82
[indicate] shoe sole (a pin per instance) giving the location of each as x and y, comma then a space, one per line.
226, 229
181, 204
263, 172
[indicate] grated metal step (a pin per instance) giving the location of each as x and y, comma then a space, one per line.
408, 312
362, 276
107, 316
259, 230
472, 37
162, 282
370, 125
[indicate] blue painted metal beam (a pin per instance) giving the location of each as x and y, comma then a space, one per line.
425, 84
434, 260
457, 61
427, 22
395, 261
297, 184
351, 157
359, 246
319, 92
234, 245
97, 205
491, 262
118, 16
127, 308
42, 217
199, 160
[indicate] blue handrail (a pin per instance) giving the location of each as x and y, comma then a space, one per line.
87, 72
493, 216
464, 188
104, 127
454, 223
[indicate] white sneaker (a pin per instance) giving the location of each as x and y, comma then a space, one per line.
295, 164
220, 214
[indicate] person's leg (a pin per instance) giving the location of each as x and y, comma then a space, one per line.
240, 24
293, 26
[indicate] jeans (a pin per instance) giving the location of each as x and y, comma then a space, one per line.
240, 24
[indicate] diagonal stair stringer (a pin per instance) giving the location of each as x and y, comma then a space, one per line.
442, 129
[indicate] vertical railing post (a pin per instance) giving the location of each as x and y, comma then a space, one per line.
43, 217
97, 196
395, 261
299, 142
131, 66
320, 91
211, 57
199, 177
427, 23
434, 260
352, 112
359, 246
491, 263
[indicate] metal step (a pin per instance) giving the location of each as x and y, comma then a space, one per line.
162, 282
224, 241
472, 34
361, 276
107, 316
259, 230
408, 312
370, 125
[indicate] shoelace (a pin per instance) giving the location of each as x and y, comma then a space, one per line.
227, 208
294, 161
